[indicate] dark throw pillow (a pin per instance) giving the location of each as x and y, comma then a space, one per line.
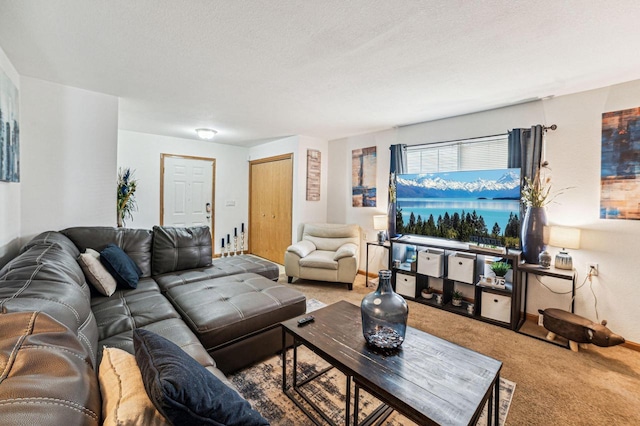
120, 266
185, 392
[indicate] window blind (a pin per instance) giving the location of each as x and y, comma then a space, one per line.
489, 152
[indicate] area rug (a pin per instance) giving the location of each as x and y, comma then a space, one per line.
314, 304
261, 385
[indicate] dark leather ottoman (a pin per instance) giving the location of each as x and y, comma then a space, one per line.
220, 267
237, 317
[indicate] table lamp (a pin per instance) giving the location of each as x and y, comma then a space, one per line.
565, 237
380, 224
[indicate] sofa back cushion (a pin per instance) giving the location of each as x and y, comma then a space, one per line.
135, 242
47, 277
329, 236
46, 377
177, 249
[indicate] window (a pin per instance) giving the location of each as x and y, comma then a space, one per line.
490, 152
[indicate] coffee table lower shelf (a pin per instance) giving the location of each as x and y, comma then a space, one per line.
296, 387
295, 390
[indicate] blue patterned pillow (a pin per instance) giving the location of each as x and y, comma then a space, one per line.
185, 392
120, 266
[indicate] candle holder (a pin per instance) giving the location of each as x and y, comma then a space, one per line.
235, 246
228, 250
242, 242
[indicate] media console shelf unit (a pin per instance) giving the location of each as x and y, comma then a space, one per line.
447, 266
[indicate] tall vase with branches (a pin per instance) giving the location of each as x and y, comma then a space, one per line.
127, 186
536, 194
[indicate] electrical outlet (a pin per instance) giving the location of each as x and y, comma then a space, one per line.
540, 320
592, 268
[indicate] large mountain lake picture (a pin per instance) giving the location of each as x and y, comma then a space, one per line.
481, 206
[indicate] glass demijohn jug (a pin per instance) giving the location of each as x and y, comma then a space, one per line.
384, 315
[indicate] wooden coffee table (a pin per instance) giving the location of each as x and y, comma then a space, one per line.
430, 380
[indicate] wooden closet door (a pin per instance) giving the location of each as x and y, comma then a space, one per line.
270, 206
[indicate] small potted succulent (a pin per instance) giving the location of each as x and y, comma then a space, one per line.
500, 268
427, 293
456, 298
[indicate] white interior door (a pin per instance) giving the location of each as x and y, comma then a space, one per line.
188, 192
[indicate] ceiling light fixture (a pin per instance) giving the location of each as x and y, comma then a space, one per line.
206, 134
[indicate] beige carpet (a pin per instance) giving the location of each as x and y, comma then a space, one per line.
596, 386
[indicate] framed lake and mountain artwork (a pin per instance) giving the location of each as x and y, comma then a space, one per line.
9, 130
363, 177
620, 170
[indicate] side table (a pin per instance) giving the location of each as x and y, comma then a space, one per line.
563, 274
374, 281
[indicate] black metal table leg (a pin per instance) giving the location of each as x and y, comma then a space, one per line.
356, 400
284, 360
496, 399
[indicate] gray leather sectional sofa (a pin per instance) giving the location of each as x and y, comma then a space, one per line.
53, 325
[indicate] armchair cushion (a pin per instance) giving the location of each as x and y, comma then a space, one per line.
346, 250
320, 259
302, 248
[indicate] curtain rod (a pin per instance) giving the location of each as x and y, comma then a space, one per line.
544, 128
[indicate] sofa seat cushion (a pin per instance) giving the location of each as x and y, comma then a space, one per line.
128, 309
143, 307
47, 379
320, 259
221, 267
223, 309
173, 329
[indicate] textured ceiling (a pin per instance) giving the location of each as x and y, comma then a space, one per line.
260, 69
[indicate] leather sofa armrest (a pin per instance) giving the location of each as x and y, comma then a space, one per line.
346, 250
302, 248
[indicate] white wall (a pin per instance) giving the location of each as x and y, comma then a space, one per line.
573, 151
9, 191
303, 211
340, 208
68, 157
141, 152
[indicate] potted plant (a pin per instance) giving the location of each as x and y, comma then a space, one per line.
126, 202
456, 298
500, 268
427, 293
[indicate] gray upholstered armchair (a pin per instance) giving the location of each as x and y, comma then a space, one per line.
326, 252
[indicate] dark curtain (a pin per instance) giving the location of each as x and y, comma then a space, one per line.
398, 166
525, 151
